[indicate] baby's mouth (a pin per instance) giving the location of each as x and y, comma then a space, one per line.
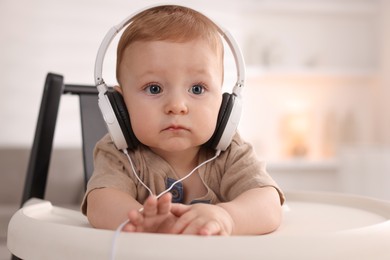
175, 128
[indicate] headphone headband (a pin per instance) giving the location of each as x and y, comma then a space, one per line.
99, 81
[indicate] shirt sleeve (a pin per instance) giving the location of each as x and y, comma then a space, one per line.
244, 171
109, 171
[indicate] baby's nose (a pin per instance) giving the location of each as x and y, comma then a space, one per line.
176, 105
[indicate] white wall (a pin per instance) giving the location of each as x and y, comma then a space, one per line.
384, 93
63, 37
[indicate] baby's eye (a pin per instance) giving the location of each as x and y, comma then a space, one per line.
197, 89
153, 89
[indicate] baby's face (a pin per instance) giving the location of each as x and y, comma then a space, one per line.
173, 93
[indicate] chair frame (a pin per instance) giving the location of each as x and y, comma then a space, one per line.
40, 155
39, 161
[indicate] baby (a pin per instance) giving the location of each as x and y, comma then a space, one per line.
170, 74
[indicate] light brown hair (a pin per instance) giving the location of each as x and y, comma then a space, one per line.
169, 23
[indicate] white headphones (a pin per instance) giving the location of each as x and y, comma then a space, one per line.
115, 113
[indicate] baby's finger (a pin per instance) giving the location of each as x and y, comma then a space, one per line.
164, 204
184, 222
134, 222
211, 228
178, 209
129, 228
135, 218
150, 207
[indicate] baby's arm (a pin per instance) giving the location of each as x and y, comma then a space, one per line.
256, 211
108, 208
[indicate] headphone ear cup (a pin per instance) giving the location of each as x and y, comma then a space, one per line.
223, 118
120, 110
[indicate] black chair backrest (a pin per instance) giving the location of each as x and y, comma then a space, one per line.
92, 125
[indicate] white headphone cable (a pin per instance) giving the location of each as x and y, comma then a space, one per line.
122, 225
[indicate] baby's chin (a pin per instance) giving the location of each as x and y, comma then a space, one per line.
177, 147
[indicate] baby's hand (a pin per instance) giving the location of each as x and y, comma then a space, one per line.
155, 217
201, 219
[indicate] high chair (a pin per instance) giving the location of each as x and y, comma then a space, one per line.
316, 225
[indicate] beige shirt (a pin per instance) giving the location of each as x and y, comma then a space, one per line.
233, 172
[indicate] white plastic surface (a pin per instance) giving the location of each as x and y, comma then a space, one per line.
315, 226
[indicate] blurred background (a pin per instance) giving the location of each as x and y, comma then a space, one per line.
316, 105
